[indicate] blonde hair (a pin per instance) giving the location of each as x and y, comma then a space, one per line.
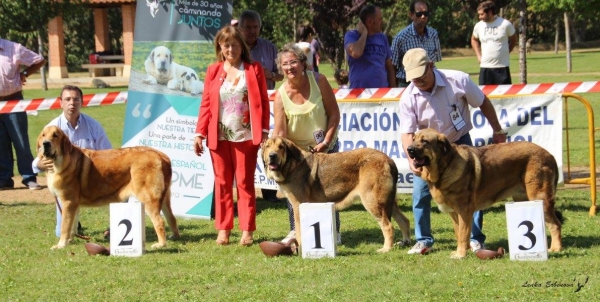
231, 32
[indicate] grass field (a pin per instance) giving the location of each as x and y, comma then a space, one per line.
194, 268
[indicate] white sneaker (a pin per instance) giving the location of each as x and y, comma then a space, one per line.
420, 248
291, 235
338, 238
476, 245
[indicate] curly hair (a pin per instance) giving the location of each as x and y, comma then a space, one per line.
293, 49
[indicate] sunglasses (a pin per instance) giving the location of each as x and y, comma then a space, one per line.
421, 14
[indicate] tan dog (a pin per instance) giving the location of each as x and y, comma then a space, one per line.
82, 177
465, 179
340, 178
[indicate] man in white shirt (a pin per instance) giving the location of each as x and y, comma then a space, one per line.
493, 39
82, 130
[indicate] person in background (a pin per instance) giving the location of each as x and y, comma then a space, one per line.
341, 78
16, 64
305, 108
439, 99
369, 55
305, 37
316, 45
81, 129
234, 120
493, 39
415, 35
264, 52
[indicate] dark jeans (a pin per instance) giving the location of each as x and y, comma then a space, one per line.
13, 132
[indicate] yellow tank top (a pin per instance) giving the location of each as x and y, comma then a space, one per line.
304, 121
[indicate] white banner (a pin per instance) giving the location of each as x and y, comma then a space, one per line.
533, 118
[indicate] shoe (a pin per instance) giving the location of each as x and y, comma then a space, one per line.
338, 238
223, 237
32, 185
420, 248
6, 185
291, 235
247, 239
476, 245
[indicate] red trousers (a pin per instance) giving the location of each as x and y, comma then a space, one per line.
235, 159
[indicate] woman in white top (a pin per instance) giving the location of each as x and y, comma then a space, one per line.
305, 36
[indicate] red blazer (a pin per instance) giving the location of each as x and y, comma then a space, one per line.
258, 101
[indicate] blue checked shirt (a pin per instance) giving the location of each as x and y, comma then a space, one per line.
408, 39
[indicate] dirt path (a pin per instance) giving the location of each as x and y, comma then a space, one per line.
22, 194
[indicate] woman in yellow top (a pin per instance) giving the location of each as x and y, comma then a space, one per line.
305, 111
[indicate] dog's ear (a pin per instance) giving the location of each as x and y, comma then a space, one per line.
184, 74
151, 56
193, 75
445, 143
65, 143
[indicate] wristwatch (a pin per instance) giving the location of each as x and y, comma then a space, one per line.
25, 73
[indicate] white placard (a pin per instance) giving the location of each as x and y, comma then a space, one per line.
317, 225
526, 231
127, 229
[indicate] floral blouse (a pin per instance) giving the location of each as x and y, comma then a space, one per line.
234, 113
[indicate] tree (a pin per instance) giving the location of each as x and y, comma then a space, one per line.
522, 41
32, 16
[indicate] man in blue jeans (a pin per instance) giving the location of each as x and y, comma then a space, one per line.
439, 99
16, 64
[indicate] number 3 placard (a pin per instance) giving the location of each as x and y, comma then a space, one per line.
526, 231
127, 232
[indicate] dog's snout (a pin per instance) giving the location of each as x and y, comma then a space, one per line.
46, 144
411, 151
272, 155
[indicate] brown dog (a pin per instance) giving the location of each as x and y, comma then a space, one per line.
464, 179
340, 178
82, 177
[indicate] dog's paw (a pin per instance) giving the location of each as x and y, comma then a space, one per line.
384, 250
403, 243
58, 246
158, 245
457, 255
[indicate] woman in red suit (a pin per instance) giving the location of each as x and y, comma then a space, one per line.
234, 120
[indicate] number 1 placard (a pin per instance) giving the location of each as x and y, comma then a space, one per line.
127, 232
526, 231
317, 225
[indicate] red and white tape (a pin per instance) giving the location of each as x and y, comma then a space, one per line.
357, 94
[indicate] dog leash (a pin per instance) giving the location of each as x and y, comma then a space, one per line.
86, 238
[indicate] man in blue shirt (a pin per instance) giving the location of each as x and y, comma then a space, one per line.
82, 130
369, 55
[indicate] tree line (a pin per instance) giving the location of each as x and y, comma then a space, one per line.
25, 21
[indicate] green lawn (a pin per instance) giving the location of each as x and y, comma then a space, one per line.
194, 268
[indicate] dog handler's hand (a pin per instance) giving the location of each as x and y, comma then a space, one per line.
198, 148
45, 164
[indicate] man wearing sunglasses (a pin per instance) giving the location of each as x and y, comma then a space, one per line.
493, 39
440, 99
415, 35
369, 55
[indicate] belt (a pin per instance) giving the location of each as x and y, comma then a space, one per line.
15, 96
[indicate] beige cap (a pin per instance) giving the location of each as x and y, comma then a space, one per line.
415, 62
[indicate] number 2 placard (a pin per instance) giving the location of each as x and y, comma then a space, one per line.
526, 231
127, 232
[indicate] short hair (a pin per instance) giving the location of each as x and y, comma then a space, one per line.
293, 49
341, 76
367, 12
231, 32
414, 3
250, 15
71, 87
487, 6
303, 32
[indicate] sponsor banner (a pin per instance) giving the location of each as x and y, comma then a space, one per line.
173, 46
533, 118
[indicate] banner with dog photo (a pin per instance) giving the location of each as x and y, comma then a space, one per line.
173, 46
533, 118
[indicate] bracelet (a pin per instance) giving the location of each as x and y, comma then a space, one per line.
500, 132
326, 144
